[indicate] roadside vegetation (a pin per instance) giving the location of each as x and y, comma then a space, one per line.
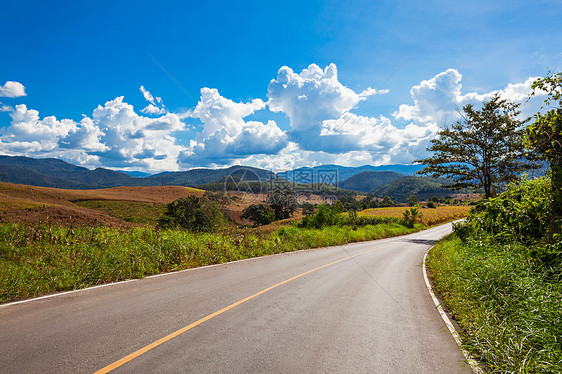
500, 272
501, 279
39, 260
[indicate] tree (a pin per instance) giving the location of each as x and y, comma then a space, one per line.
544, 135
194, 214
283, 202
413, 200
482, 150
261, 214
387, 202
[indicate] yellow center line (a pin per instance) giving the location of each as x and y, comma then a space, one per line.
166, 338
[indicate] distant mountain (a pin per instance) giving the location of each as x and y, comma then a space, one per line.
368, 180
57, 173
47, 166
400, 189
103, 178
135, 174
23, 175
197, 177
345, 172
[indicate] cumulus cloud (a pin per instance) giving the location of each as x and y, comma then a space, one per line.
113, 136
155, 106
320, 110
226, 136
309, 98
519, 92
12, 89
440, 98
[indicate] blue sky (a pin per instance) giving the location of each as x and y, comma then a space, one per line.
270, 84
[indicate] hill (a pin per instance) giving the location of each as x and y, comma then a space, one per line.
43, 205
400, 189
197, 177
368, 180
51, 172
345, 172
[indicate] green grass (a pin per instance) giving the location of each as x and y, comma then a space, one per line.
129, 211
509, 311
40, 260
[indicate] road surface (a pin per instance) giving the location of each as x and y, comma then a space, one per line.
357, 308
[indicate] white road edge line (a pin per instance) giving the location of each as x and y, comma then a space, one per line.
471, 361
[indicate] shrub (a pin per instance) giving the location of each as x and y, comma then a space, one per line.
324, 216
411, 216
260, 214
194, 214
522, 213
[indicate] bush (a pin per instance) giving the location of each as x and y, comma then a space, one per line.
522, 214
324, 216
260, 214
431, 204
411, 216
194, 214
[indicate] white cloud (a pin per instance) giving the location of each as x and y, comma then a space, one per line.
155, 106
147, 96
114, 136
319, 108
518, 92
435, 99
226, 136
5, 108
324, 126
309, 98
12, 89
153, 110
440, 98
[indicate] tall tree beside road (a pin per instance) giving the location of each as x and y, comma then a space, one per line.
482, 150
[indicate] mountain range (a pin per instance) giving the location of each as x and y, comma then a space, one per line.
395, 181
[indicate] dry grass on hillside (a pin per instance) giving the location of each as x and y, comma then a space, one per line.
430, 216
43, 205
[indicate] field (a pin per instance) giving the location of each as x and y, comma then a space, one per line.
113, 207
430, 216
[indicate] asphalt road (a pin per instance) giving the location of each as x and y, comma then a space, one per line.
367, 311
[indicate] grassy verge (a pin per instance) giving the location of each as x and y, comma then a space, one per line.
40, 260
509, 311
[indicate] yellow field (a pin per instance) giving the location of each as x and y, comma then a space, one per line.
430, 216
